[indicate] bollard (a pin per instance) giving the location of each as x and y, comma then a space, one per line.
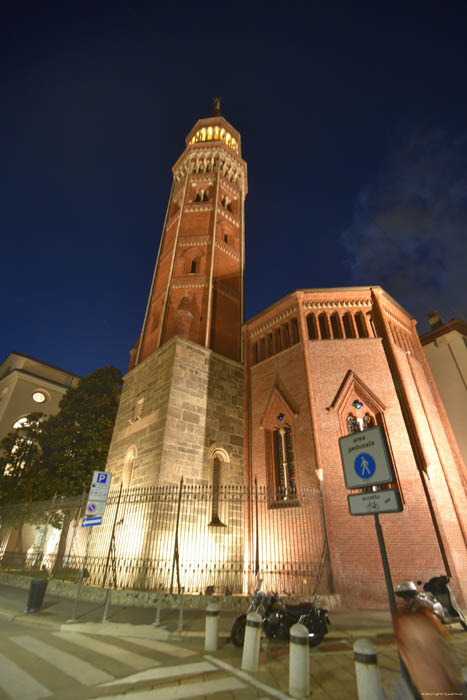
299, 663
367, 671
212, 624
157, 621
250, 654
107, 603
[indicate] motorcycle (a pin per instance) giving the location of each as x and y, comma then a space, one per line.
437, 596
278, 617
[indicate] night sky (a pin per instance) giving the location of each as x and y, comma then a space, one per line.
353, 125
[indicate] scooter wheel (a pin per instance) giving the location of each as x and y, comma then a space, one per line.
237, 635
315, 639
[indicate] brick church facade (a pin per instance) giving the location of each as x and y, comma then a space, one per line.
216, 401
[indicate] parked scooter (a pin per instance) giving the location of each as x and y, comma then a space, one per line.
278, 617
437, 596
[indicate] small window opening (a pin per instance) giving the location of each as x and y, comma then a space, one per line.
336, 326
278, 339
295, 337
193, 267
323, 326
360, 323
348, 330
270, 345
311, 323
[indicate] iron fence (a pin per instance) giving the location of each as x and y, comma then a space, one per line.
194, 537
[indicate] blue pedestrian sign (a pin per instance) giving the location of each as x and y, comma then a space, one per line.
366, 459
89, 522
364, 466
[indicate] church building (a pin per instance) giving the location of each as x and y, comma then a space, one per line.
215, 401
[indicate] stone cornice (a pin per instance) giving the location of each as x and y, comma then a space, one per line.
199, 207
228, 250
395, 320
226, 214
202, 240
273, 321
227, 293
189, 283
457, 324
337, 304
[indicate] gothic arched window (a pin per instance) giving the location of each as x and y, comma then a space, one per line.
283, 466
352, 424
128, 467
217, 466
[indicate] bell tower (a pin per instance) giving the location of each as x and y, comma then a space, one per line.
197, 287
181, 409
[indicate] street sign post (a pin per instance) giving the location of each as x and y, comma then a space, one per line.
366, 459
95, 507
367, 462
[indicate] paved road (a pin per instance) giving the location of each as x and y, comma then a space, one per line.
36, 663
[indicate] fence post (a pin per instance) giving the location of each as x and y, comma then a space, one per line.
250, 656
180, 617
367, 671
175, 560
212, 625
299, 662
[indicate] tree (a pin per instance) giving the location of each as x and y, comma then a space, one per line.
22, 474
75, 442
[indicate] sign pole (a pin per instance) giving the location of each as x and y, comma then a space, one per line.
386, 569
392, 600
81, 576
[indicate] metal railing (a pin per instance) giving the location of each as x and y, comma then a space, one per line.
194, 537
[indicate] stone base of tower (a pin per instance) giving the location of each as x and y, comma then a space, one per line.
180, 409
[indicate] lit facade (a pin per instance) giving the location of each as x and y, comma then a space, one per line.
202, 404
445, 348
29, 386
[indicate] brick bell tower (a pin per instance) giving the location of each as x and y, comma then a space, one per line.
197, 288
181, 408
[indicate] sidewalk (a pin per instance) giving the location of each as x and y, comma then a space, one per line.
332, 668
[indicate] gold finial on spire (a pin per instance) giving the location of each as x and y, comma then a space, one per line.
217, 106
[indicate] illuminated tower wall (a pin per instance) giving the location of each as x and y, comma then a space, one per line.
181, 406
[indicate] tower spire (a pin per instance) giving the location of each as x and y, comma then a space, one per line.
217, 106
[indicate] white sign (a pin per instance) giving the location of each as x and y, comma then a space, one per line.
97, 498
100, 486
386, 501
365, 459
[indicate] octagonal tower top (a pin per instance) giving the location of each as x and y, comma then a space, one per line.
215, 128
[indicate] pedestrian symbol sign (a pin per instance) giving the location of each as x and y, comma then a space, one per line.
364, 466
366, 459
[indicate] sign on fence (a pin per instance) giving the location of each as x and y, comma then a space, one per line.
97, 498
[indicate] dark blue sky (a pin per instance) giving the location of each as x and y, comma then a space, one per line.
353, 124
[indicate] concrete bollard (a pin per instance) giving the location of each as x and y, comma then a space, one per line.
157, 621
212, 624
250, 656
367, 671
299, 662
